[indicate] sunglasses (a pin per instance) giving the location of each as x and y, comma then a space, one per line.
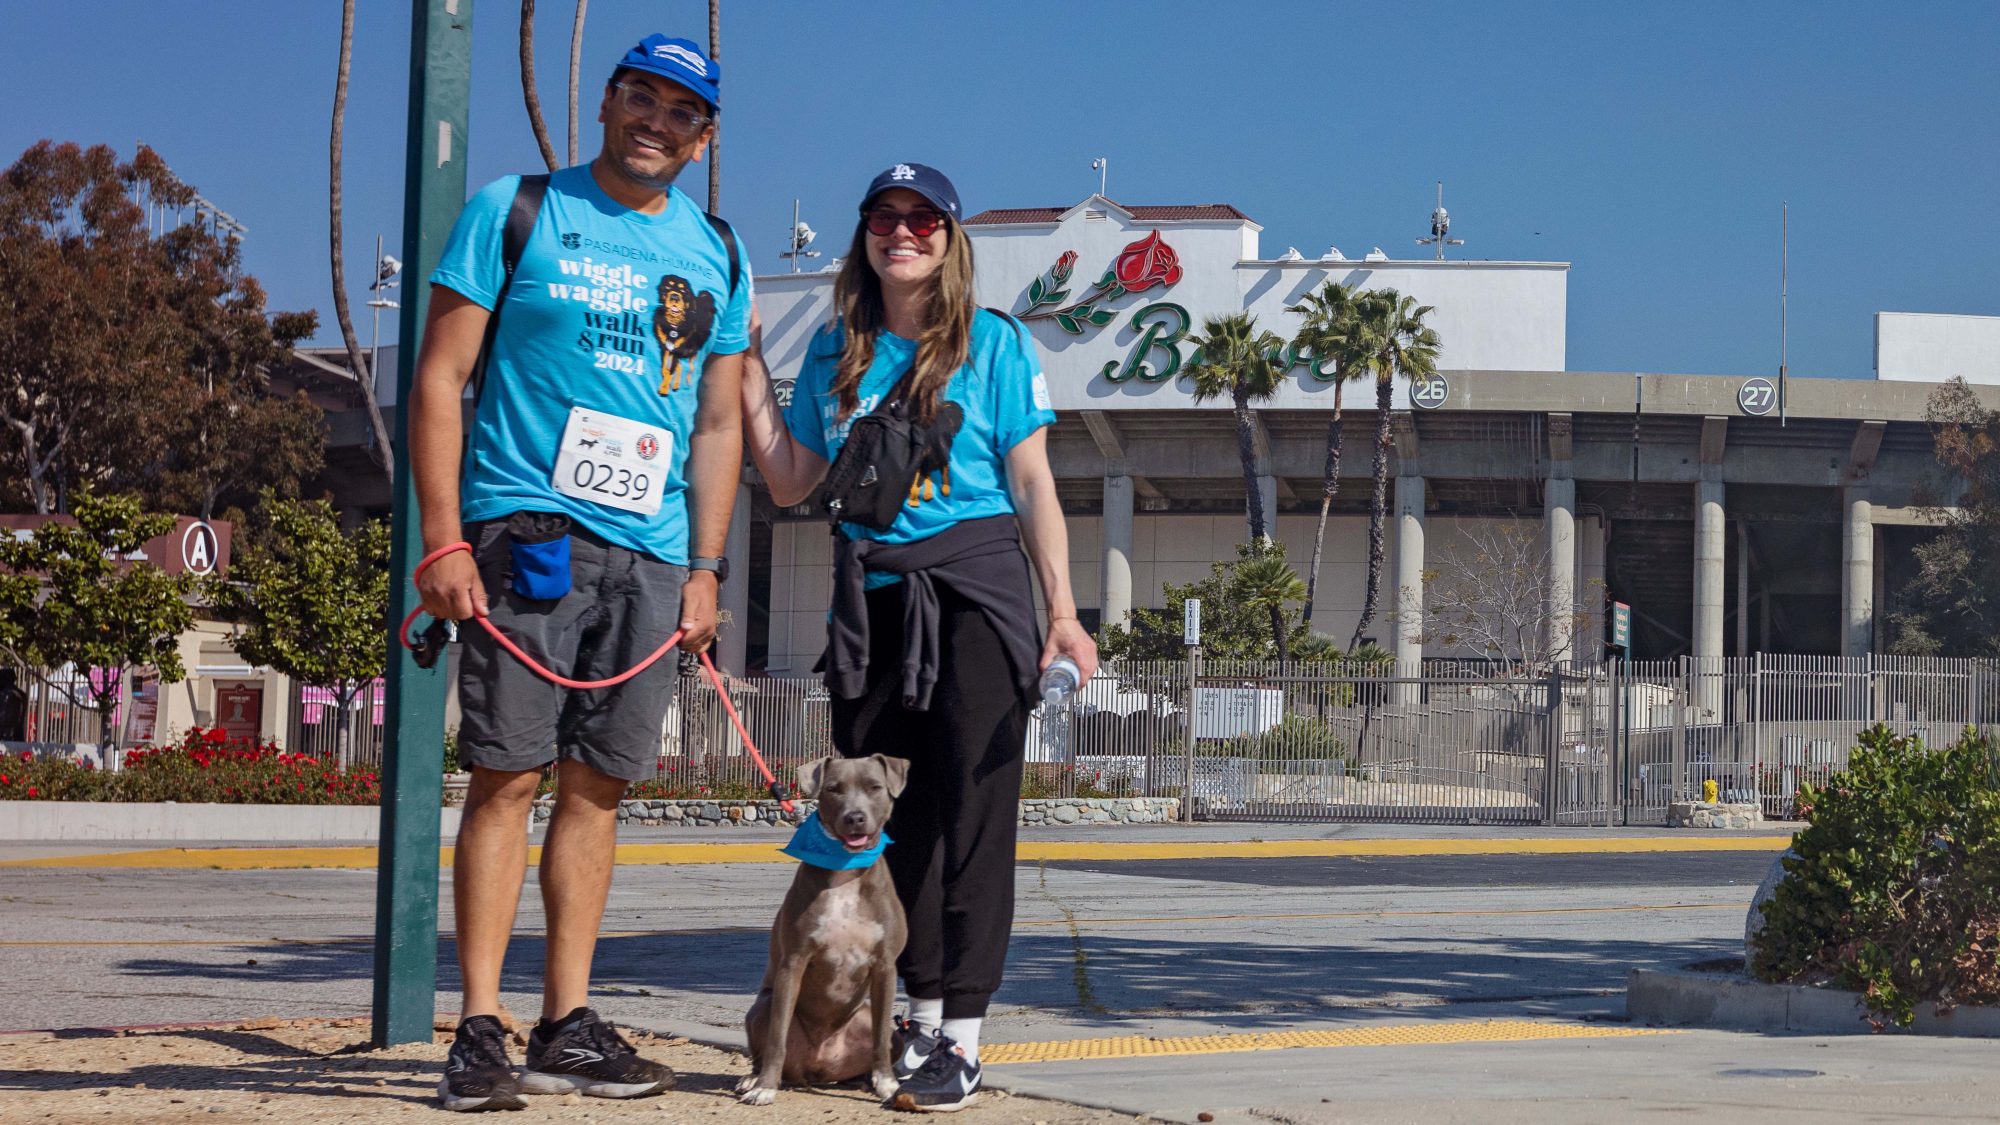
883, 221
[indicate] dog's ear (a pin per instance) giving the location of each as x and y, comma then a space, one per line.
895, 772
809, 776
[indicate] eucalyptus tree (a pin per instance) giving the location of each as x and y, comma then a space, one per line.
357, 360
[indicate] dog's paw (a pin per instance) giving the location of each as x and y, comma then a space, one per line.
746, 1083
758, 1095
885, 1084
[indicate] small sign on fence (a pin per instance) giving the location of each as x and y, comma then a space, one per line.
1621, 625
1191, 622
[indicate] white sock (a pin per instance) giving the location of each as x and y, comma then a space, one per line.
927, 1014
965, 1033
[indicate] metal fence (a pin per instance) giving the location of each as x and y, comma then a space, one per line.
315, 724
1475, 743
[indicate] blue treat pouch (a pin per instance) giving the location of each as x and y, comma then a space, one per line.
539, 545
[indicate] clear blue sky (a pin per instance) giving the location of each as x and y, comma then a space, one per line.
1648, 144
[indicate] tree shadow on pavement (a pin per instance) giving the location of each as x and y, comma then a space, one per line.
1087, 977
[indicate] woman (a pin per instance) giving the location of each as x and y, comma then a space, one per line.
933, 685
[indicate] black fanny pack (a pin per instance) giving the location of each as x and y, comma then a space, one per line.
887, 454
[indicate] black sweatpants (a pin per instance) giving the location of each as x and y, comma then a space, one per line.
954, 825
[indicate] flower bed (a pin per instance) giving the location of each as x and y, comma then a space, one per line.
205, 766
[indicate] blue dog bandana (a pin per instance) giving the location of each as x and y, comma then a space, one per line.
813, 844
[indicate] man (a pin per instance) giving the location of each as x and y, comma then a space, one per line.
596, 492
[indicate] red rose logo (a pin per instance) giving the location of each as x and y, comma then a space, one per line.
1146, 263
1064, 264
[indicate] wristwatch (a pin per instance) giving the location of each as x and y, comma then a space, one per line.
718, 564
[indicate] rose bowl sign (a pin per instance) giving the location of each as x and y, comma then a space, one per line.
1138, 267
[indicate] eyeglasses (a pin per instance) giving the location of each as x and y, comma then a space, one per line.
640, 102
883, 221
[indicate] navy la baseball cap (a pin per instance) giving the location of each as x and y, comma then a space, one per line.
920, 178
677, 60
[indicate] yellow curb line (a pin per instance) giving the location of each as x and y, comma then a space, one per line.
1397, 1035
254, 858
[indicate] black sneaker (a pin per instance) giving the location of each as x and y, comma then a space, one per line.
589, 1056
913, 1047
477, 1073
947, 1081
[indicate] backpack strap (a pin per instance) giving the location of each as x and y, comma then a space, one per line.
727, 234
521, 215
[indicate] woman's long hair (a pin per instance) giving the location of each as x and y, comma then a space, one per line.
942, 346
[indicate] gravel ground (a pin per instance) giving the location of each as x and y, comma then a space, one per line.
322, 1070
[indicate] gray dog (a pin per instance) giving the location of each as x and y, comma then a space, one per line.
825, 1011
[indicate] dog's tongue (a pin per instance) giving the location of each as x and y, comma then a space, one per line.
856, 842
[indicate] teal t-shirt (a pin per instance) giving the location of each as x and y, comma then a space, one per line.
1001, 390
613, 312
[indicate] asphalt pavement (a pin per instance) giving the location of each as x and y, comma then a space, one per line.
1389, 987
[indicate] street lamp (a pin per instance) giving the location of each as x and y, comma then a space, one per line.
387, 269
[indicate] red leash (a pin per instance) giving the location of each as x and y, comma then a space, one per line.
777, 787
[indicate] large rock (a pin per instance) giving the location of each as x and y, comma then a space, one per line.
1753, 923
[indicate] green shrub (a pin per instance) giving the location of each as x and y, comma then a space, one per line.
1295, 737
204, 766
1894, 890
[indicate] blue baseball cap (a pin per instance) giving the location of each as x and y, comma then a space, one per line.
920, 178
677, 60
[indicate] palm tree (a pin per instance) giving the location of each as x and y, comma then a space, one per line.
715, 140
1395, 339
575, 69
1233, 358
528, 93
1266, 581
1329, 334
357, 361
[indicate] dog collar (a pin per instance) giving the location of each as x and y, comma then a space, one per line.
813, 844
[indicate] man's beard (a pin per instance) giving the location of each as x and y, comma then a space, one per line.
659, 181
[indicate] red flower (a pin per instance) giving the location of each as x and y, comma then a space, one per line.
34, 792
1146, 263
27, 755
1064, 264
3, 779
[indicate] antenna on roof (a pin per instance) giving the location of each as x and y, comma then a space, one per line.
1440, 227
1784, 284
1102, 166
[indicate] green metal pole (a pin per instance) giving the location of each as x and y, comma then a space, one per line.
406, 877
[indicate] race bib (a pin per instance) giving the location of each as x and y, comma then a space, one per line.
613, 461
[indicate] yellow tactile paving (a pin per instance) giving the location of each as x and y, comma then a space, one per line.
1395, 1035
254, 858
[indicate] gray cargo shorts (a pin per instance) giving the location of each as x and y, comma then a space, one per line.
621, 606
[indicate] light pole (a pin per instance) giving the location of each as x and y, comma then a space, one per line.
802, 236
386, 270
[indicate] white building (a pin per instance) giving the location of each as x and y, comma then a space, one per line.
1111, 367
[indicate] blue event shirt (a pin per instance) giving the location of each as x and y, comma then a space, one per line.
597, 287
1001, 390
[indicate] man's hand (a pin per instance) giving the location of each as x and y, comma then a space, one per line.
451, 588
698, 598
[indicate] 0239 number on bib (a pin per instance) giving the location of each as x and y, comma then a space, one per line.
613, 461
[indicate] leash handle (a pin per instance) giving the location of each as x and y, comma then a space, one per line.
778, 790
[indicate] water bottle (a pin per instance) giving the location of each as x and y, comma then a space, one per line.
1060, 680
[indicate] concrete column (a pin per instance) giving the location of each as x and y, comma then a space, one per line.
1591, 596
732, 644
1708, 594
1407, 598
1267, 488
1559, 524
1857, 572
1742, 589
1115, 579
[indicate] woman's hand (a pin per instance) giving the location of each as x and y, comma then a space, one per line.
1067, 638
